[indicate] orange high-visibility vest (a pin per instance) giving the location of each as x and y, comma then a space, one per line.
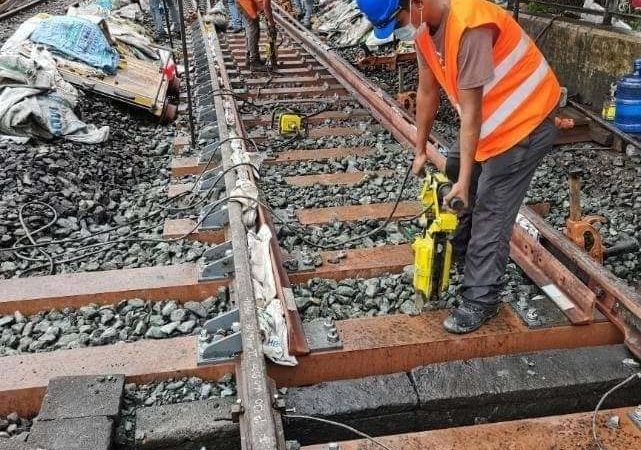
251, 7
524, 90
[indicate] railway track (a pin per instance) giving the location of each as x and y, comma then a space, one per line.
358, 140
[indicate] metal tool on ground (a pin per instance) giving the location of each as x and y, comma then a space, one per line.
272, 49
581, 229
289, 122
192, 132
433, 251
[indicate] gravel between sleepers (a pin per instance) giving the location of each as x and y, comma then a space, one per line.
167, 392
92, 325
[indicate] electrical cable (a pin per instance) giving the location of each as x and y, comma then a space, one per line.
29, 234
138, 240
289, 225
387, 221
340, 425
15, 247
595, 437
111, 243
547, 27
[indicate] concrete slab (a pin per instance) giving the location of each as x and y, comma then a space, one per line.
87, 433
371, 396
82, 396
380, 405
187, 426
16, 444
518, 386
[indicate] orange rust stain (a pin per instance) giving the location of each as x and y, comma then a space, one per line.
330, 179
567, 432
314, 216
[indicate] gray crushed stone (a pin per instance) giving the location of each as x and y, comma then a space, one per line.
167, 392
13, 426
92, 325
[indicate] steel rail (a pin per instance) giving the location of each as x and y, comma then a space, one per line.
259, 421
297, 342
614, 298
12, 12
594, 12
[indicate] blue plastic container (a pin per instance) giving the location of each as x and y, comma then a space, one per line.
628, 100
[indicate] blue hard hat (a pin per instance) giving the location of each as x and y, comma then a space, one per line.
382, 15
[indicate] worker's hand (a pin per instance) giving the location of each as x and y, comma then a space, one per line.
460, 191
418, 166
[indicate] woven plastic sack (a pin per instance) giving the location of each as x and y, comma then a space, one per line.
78, 39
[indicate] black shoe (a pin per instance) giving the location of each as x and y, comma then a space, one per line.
467, 318
237, 30
258, 66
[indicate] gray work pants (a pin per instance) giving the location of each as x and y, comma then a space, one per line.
305, 6
158, 17
497, 190
252, 36
235, 19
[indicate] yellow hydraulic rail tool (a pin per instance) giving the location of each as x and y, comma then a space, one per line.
433, 250
289, 122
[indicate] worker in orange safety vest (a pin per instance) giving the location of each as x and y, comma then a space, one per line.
251, 10
506, 96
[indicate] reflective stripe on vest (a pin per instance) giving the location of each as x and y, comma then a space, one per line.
515, 100
504, 67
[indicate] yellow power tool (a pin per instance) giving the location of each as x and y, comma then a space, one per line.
289, 123
433, 250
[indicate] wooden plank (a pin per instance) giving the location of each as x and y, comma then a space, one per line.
331, 179
181, 167
301, 91
276, 80
320, 154
399, 343
189, 166
371, 346
359, 263
571, 431
315, 216
26, 377
252, 121
318, 132
30, 295
176, 228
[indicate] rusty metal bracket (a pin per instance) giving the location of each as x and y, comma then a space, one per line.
388, 61
408, 101
614, 298
218, 262
580, 229
568, 292
322, 335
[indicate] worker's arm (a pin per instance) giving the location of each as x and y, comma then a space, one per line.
470, 101
267, 8
427, 102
